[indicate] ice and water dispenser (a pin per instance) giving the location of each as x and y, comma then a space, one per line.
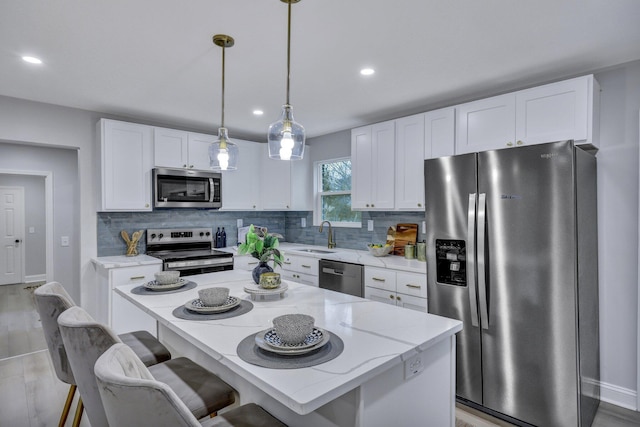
451, 262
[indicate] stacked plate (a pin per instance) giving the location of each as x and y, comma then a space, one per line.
257, 290
269, 341
155, 286
198, 306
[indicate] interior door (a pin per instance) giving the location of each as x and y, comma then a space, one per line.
11, 235
450, 219
529, 342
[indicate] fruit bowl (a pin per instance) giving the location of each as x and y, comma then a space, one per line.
378, 249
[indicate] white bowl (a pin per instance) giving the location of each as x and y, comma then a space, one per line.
167, 277
212, 297
293, 328
379, 251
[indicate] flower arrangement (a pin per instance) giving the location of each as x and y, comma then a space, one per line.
261, 245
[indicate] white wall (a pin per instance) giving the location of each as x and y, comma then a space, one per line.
34, 213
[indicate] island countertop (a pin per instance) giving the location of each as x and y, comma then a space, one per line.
376, 336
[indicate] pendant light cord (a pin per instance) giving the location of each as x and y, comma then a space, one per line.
222, 121
288, 52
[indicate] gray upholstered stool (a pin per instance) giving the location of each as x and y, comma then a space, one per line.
85, 340
51, 300
134, 396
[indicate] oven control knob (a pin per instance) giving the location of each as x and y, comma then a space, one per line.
207, 233
153, 235
201, 233
160, 236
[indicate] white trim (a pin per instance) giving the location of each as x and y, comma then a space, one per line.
317, 195
638, 311
48, 195
618, 396
35, 278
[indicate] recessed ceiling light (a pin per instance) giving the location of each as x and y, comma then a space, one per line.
258, 112
32, 60
367, 71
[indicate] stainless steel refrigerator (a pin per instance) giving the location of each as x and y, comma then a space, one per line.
512, 252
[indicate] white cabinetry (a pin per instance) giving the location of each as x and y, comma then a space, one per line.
241, 187
439, 133
408, 290
244, 262
286, 185
180, 149
301, 269
373, 164
126, 159
113, 310
409, 176
553, 112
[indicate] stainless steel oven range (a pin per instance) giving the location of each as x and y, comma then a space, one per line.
189, 250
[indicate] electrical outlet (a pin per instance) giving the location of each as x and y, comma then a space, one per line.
303, 222
239, 222
424, 227
413, 366
32, 230
370, 225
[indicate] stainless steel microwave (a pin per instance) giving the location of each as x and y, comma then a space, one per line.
184, 188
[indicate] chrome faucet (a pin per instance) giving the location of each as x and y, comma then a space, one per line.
330, 243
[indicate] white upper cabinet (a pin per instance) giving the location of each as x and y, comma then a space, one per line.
275, 182
409, 170
126, 159
440, 133
553, 112
373, 165
241, 187
180, 149
486, 124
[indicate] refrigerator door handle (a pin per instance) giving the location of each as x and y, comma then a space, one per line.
482, 283
471, 256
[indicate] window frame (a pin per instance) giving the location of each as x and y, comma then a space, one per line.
318, 193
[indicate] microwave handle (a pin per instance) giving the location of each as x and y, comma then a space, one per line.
211, 190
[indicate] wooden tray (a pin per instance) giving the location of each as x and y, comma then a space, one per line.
401, 235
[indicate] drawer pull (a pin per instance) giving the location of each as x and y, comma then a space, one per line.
287, 262
252, 263
377, 279
306, 266
136, 277
408, 285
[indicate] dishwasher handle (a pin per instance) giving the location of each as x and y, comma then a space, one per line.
332, 271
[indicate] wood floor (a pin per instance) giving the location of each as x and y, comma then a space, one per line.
32, 396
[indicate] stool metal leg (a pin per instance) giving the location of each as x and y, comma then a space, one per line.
79, 410
67, 405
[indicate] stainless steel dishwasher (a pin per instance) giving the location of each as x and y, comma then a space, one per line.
341, 277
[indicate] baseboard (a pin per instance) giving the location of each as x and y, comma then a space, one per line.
619, 396
35, 278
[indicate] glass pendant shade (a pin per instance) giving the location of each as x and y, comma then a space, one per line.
286, 137
223, 154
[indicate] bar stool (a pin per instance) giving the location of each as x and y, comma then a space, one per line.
85, 340
133, 397
51, 300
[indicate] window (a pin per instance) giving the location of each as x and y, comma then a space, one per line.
333, 194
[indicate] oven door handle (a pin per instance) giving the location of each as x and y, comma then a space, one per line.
197, 263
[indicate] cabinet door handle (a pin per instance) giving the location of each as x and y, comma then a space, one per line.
519, 143
367, 204
306, 266
377, 279
409, 285
287, 262
252, 263
509, 144
372, 205
136, 277
398, 298
391, 296
419, 205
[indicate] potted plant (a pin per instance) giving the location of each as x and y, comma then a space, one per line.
263, 246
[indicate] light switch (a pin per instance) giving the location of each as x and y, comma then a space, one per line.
64, 241
32, 230
369, 225
239, 222
424, 227
303, 222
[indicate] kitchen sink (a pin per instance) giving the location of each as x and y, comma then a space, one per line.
314, 251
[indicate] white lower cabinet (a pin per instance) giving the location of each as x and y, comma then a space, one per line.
300, 269
408, 290
245, 262
115, 311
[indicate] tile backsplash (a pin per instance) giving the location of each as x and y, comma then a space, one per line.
286, 223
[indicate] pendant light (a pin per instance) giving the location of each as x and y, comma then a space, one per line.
223, 154
286, 137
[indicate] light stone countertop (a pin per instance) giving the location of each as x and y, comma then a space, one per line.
118, 261
376, 336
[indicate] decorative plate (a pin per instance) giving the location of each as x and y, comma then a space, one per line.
291, 350
254, 289
312, 339
198, 306
155, 286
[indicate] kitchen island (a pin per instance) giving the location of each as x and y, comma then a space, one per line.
397, 366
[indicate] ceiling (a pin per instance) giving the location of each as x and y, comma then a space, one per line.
154, 60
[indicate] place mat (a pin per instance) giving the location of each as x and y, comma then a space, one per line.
251, 353
244, 307
142, 290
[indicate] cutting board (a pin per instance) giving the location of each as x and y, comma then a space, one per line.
401, 235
